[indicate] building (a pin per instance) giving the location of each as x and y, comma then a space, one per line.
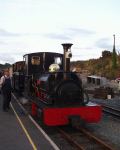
96, 80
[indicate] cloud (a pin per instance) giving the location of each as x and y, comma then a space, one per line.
3, 43
84, 56
65, 34
6, 58
83, 48
104, 43
69, 33
7, 33
80, 31
57, 36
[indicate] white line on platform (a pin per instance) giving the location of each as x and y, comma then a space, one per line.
43, 132
38, 126
19, 104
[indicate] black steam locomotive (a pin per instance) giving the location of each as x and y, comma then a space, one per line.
56, 93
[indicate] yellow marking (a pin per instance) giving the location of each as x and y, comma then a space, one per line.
24, 129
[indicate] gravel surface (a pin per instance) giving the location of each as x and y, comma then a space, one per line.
108, 130
109, 127
114, 102
56, 136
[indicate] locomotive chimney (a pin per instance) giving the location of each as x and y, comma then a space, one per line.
67, 56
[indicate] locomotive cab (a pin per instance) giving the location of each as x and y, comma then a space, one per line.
37, 64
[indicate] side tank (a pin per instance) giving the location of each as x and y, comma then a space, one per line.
58, 91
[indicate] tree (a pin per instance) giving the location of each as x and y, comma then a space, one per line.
106, 53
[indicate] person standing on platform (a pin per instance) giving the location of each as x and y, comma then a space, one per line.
6, 88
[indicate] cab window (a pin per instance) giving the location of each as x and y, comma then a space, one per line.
35, 60
58, 60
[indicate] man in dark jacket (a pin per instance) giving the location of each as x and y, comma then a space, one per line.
6, 88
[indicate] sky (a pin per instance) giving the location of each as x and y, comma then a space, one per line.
28, 26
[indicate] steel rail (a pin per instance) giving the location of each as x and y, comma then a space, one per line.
71, 140
88, 135
111, 110
96, 139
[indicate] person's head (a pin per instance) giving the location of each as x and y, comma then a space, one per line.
6, 72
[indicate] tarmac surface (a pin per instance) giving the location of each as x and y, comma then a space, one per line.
18, 132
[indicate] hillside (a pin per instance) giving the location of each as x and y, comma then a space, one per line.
101, 66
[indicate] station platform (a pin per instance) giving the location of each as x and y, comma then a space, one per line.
18, 132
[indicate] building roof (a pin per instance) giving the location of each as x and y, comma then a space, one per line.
94, 76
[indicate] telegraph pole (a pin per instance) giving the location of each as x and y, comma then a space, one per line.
114, 55
114, 41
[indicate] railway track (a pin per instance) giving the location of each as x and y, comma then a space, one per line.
112, 111
84, 140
